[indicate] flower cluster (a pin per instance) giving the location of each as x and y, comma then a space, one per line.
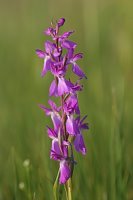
67, 127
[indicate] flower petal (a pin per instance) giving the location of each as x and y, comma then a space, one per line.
79, 144
53, 105
56, 120
46, 110
55, 153
65, 35
53, 89
77, 57
49, 31
60, 22
40, 53
49, 47
51, 133
76, 69
68, 44
63, 86
65, 172
46, 66
71, 125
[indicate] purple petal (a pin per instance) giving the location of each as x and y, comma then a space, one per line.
77, 110
77, 120
49, 47
51, 133
83, 125
77, 87
71, 125
40, 53
77, 57
53, 105
58, 151
46, 66
57, 52
60, 22
65, 172
55, 153
63, 86
56, 120
76, 69
68, 44
46, 110
79, 144
53, 89
49, 31
70, 54
65, 35
71, 104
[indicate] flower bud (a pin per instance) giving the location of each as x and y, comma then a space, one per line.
61, 22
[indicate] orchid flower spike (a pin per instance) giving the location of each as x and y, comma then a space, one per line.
67, 131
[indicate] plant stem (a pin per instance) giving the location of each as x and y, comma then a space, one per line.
65, 186
55, 186
69, 185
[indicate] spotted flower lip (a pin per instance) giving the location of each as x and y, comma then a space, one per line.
67, 131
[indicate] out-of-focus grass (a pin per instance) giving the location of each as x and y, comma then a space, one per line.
104, 33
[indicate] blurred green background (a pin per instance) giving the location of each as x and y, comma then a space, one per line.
104, 32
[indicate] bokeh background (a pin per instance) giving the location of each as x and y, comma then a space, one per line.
104, 32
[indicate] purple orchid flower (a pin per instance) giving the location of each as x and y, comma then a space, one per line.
79, 141
62, 157
54, 113
68, 126
49, 47
59, 87
75, 68
71, 104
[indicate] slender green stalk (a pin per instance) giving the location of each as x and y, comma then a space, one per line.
69, 185
65, 186
55, 186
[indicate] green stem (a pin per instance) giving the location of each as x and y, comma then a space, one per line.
69, 185
65, 186
55, 186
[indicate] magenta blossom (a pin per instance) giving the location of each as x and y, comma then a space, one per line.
67, 131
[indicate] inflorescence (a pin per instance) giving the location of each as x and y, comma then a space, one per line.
68, 125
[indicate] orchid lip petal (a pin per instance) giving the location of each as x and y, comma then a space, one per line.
71, 125
65, 172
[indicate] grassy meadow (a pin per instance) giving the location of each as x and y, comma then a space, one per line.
104, 33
